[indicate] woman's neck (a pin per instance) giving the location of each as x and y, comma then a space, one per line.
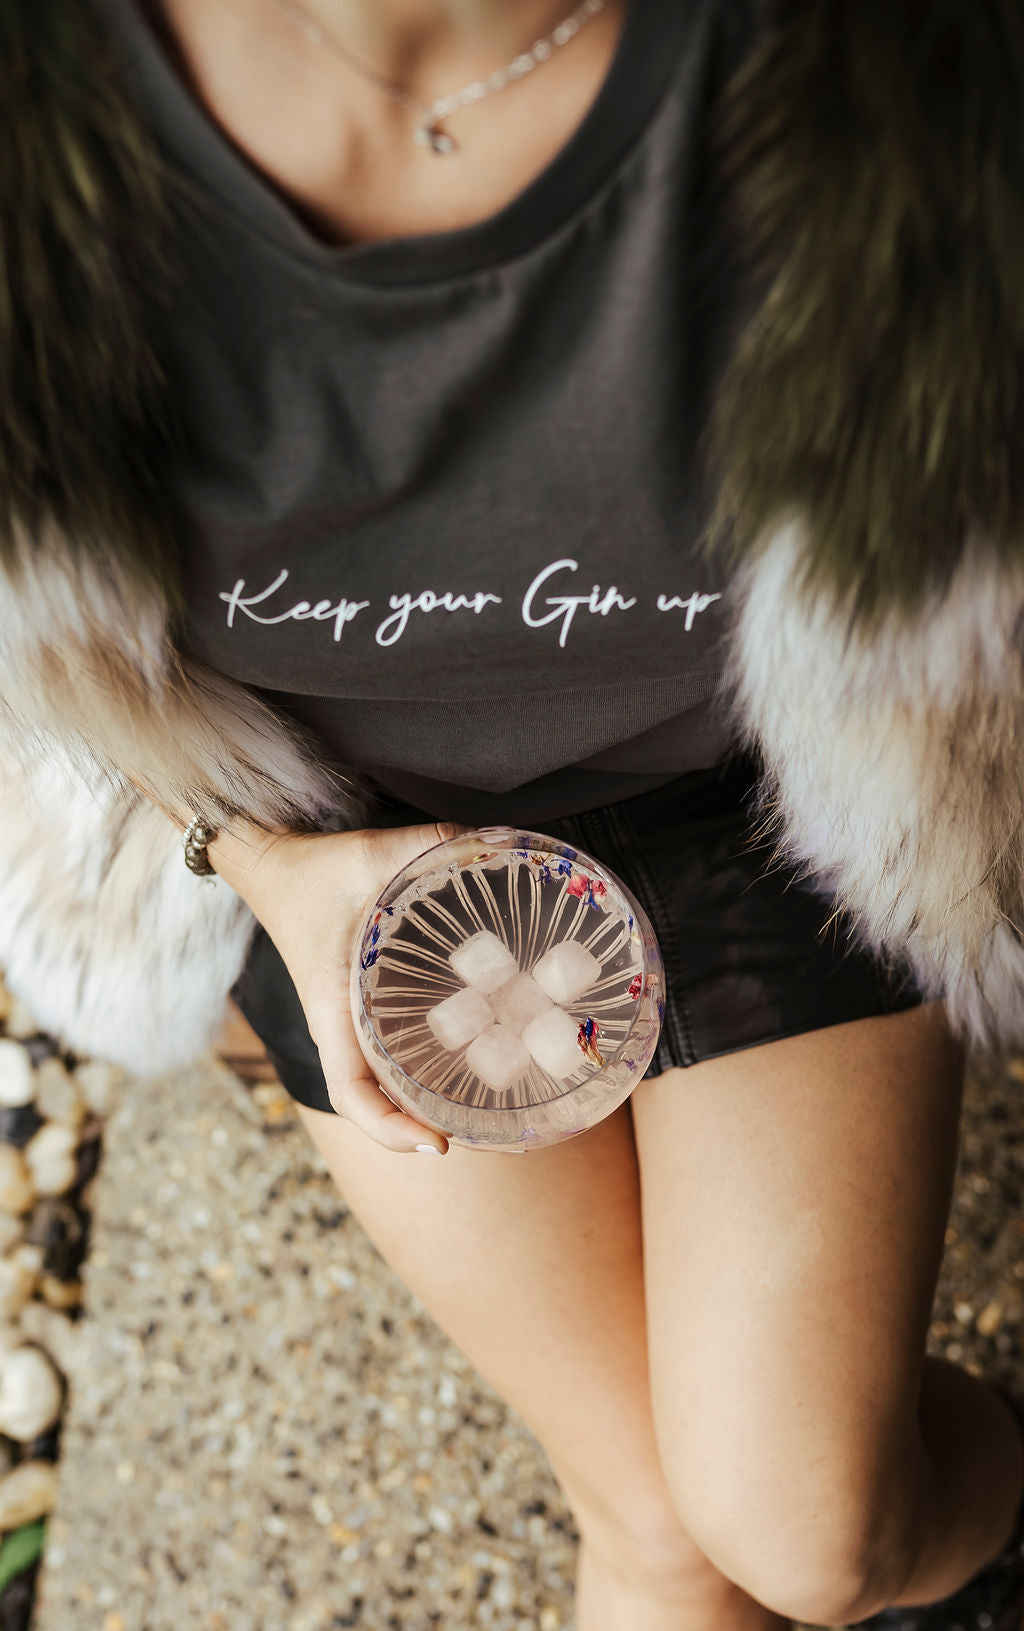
407, 40
342, 152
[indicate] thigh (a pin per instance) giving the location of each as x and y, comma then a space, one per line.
795, 1198
533, 1266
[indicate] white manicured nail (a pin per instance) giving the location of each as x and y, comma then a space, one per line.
433, 1149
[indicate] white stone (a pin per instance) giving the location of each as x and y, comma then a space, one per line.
552, 1043
483, 961
16, 1190
98, 1082
459, 1018
58, 1095
11, 1231
27, 1492
19, 1022
17, 1283
60, 1293
50, 1156
566, 971
17, 1077
31, 1257
30, 1393
13, 1336
53, 1331
518, 1001
498, 1057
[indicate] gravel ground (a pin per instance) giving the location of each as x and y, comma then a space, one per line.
268, 1433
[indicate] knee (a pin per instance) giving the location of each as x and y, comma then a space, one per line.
818, 1550
831, 1572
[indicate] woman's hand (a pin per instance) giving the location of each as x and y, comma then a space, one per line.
312, 893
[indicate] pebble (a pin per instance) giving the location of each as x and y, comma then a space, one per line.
17, 1283
27, 1492
58, 1094
30, 1393
16, 1190
20, 1023
268, 1093
990, 1319
60, 1294
51, 1158
12, 1336
503, 1593
98, 1084
11, 1231
29, 1256
17, 1078
53, 1331
342, 1535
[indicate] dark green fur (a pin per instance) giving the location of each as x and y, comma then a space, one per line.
875, 152
83, 222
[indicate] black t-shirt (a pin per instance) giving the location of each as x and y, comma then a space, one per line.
443, 494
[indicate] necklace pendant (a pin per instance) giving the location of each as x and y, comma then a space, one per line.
431, 135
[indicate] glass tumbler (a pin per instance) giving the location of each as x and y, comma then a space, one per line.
507, 990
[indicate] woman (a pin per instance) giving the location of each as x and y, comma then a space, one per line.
339, 420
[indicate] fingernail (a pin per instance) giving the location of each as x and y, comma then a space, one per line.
432, 1148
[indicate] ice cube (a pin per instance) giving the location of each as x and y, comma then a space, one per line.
498, 1057
518, 1001
551, 1041
459, 1018
483, 961
566, 971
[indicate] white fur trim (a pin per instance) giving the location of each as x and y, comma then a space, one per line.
85, 660
114, 946
117, 949
896, 768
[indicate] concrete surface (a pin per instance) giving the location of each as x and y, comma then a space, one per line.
268, 1433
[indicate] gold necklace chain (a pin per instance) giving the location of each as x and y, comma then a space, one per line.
428, 132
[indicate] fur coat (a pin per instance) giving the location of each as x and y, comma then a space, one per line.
866, 445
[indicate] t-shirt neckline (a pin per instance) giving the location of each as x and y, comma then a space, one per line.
635, 81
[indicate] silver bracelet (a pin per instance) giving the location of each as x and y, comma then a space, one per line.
197, 835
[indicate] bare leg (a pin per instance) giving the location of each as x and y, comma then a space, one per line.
533, 1266
795, 1198
605, 1601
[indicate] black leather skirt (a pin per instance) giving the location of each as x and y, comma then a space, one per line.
752, 954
